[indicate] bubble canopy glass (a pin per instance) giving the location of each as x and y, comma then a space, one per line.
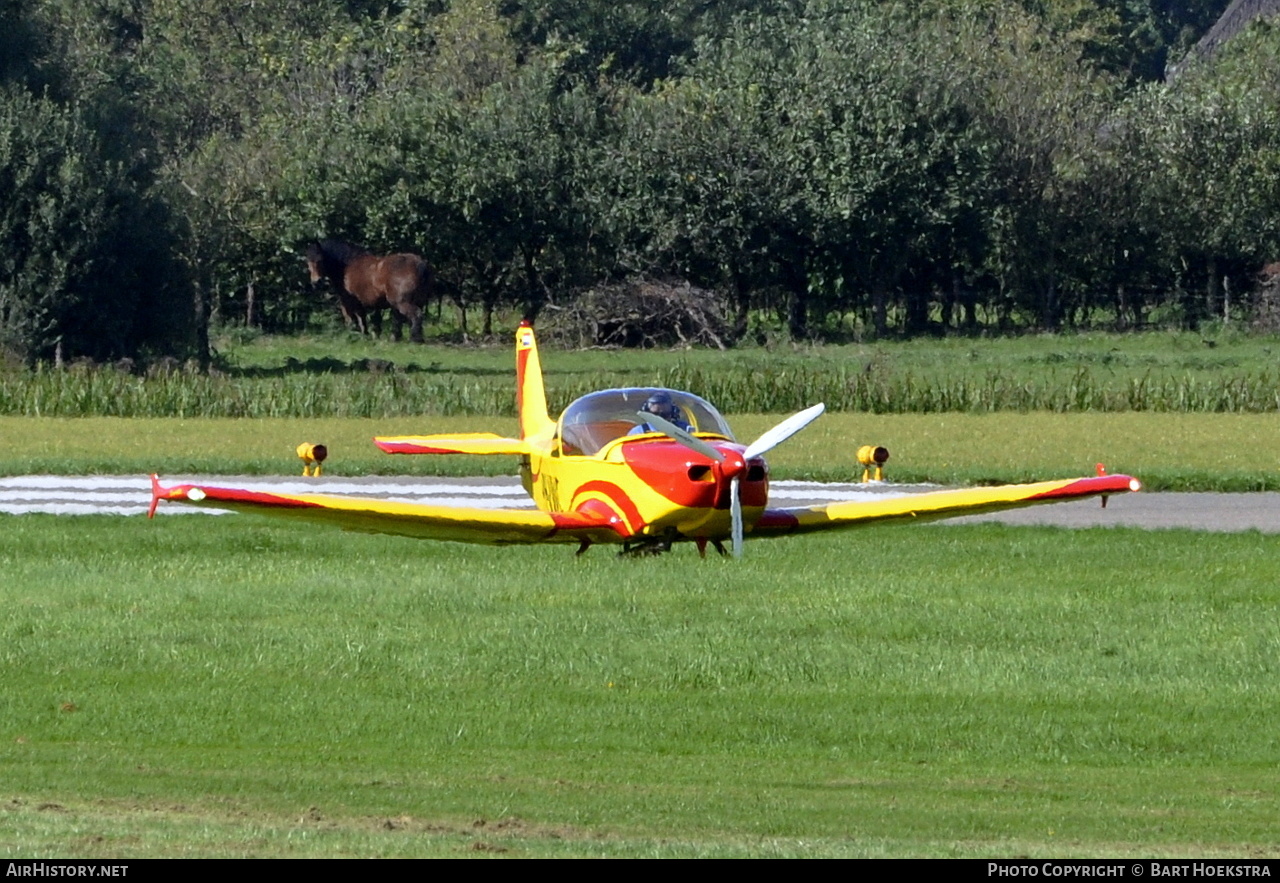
594, 420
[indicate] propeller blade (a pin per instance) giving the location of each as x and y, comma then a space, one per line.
735, 512
689, 440
783, 431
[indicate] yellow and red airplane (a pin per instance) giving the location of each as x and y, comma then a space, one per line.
642, 467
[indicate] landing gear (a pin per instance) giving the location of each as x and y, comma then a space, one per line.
657, 545
651, 546
702, 547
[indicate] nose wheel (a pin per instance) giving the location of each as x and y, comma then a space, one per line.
647, 546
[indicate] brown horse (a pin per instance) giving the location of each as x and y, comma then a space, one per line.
366, 283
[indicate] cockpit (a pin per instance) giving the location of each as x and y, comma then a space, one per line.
595, 420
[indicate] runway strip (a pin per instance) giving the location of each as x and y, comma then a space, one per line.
131, 495
128, 495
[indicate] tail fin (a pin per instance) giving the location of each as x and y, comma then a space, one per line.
531, 396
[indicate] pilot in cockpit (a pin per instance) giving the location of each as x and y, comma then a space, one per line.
661, 405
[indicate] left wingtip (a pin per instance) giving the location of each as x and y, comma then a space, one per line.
156, 492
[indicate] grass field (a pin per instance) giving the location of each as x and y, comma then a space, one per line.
228, 687
1028, 356
1182, 411
1222, 452
342, 377
1155, 371
246, 689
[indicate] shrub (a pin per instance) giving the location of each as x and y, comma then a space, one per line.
84, 266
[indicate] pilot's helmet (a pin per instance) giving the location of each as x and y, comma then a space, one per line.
660, 403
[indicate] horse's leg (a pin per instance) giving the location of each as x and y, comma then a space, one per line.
407, 311
415, 327
376, 315
362, 318
350, 308
359, 284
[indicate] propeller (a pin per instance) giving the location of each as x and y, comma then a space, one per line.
783, 431
738, 464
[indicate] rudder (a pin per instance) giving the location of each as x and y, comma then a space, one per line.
531, 396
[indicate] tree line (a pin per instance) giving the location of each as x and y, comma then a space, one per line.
906, 167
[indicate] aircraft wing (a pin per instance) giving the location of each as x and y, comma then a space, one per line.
419, 520
937, 505
461, 443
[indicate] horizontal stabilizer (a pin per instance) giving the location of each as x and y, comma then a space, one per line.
462, 443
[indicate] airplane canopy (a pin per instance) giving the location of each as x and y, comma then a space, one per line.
594, 420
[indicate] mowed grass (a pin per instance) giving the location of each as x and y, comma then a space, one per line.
229, 687
1215, 452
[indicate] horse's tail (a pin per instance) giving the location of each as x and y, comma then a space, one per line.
423, 283
531, 396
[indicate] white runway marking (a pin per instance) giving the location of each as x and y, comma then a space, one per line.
127, 495
131, 495
97, 509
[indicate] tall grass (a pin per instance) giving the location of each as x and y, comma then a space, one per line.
744, 385
859, 389
104, 392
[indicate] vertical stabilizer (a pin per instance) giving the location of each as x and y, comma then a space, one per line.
531, 396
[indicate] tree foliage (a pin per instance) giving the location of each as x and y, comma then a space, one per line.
86, 267
897, 168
